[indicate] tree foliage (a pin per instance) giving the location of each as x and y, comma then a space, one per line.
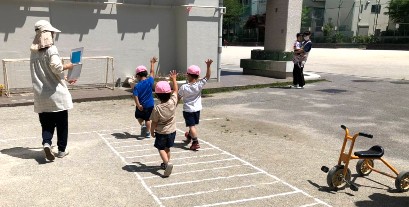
306, 17
398, 11
234, 10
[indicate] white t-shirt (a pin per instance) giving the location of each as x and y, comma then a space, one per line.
191, 95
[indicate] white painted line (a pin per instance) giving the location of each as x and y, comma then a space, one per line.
178, 152
193, 171
216, 178
213, 161
15, 139
212, 191
135, 173
263, 171
312, 204
210, 119
120, 142
137, 145
183, 158
249, 199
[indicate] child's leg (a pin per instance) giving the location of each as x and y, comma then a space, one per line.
164, 155
192, 131
167, 150
148, 125
140, 121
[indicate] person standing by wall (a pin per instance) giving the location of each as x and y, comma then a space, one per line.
52, 100
298, 71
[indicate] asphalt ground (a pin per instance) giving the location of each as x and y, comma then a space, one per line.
262, 147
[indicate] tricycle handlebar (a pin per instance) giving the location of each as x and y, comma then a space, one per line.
365, 135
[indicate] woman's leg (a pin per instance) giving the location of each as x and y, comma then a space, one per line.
62, 130
47, 127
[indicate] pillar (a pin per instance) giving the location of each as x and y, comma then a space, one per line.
283, 22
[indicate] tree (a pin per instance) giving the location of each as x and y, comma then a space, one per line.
398, 11
234, 11
306, 17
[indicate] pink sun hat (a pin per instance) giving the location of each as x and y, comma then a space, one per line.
193, 70
162, 87
140, 68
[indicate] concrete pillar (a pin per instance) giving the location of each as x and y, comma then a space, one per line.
283, 22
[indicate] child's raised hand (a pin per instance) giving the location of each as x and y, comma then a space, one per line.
154, 60
173, 74
209, 62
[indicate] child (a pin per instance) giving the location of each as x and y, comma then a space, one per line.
298, 42
163, 120
142, 93
192, 102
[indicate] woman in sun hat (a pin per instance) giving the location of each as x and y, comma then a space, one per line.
52, 100
163, 120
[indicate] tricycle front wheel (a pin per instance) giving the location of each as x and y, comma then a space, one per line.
364, 167
336, 179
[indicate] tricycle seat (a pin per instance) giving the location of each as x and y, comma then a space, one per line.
375, 152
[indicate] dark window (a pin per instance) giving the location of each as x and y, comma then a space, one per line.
376, 9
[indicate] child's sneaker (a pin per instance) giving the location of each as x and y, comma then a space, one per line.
162, 166
48, 152
195, 145
188, 138
148, 135
143, 130
168, 169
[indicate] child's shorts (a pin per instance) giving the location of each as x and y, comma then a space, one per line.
191, 118
145, 114
163, 141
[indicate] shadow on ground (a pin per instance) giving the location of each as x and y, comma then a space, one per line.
127, 135
26, 153
140, 167
382, 200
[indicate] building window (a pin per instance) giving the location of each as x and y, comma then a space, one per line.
376, 9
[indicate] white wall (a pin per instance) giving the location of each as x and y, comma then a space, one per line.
357, 14
131, 33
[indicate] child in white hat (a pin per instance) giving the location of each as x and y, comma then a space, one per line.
191, 94
163, 121
142, 93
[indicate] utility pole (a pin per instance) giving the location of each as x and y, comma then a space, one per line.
339, 9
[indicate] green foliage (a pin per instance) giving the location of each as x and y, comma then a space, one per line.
306, 17
234, 10
398, 11
328, 29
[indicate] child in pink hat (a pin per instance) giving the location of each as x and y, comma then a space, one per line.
163, 120
142, 93
191, 93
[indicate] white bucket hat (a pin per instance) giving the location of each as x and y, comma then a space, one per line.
44, 25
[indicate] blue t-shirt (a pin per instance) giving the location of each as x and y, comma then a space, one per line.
143, 90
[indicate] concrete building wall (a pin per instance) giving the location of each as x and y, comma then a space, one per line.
357, 16
132, 32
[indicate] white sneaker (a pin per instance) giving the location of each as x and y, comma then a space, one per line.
62, 154
168, 169
48, 152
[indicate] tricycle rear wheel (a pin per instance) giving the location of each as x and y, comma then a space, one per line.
402, 181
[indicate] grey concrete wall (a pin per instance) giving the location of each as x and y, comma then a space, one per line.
131, 33
283, 23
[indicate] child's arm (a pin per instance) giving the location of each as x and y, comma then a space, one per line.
208, 71
153, 61
138, 105
154, 124
173, 75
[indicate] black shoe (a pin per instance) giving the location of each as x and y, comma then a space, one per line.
163, 166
